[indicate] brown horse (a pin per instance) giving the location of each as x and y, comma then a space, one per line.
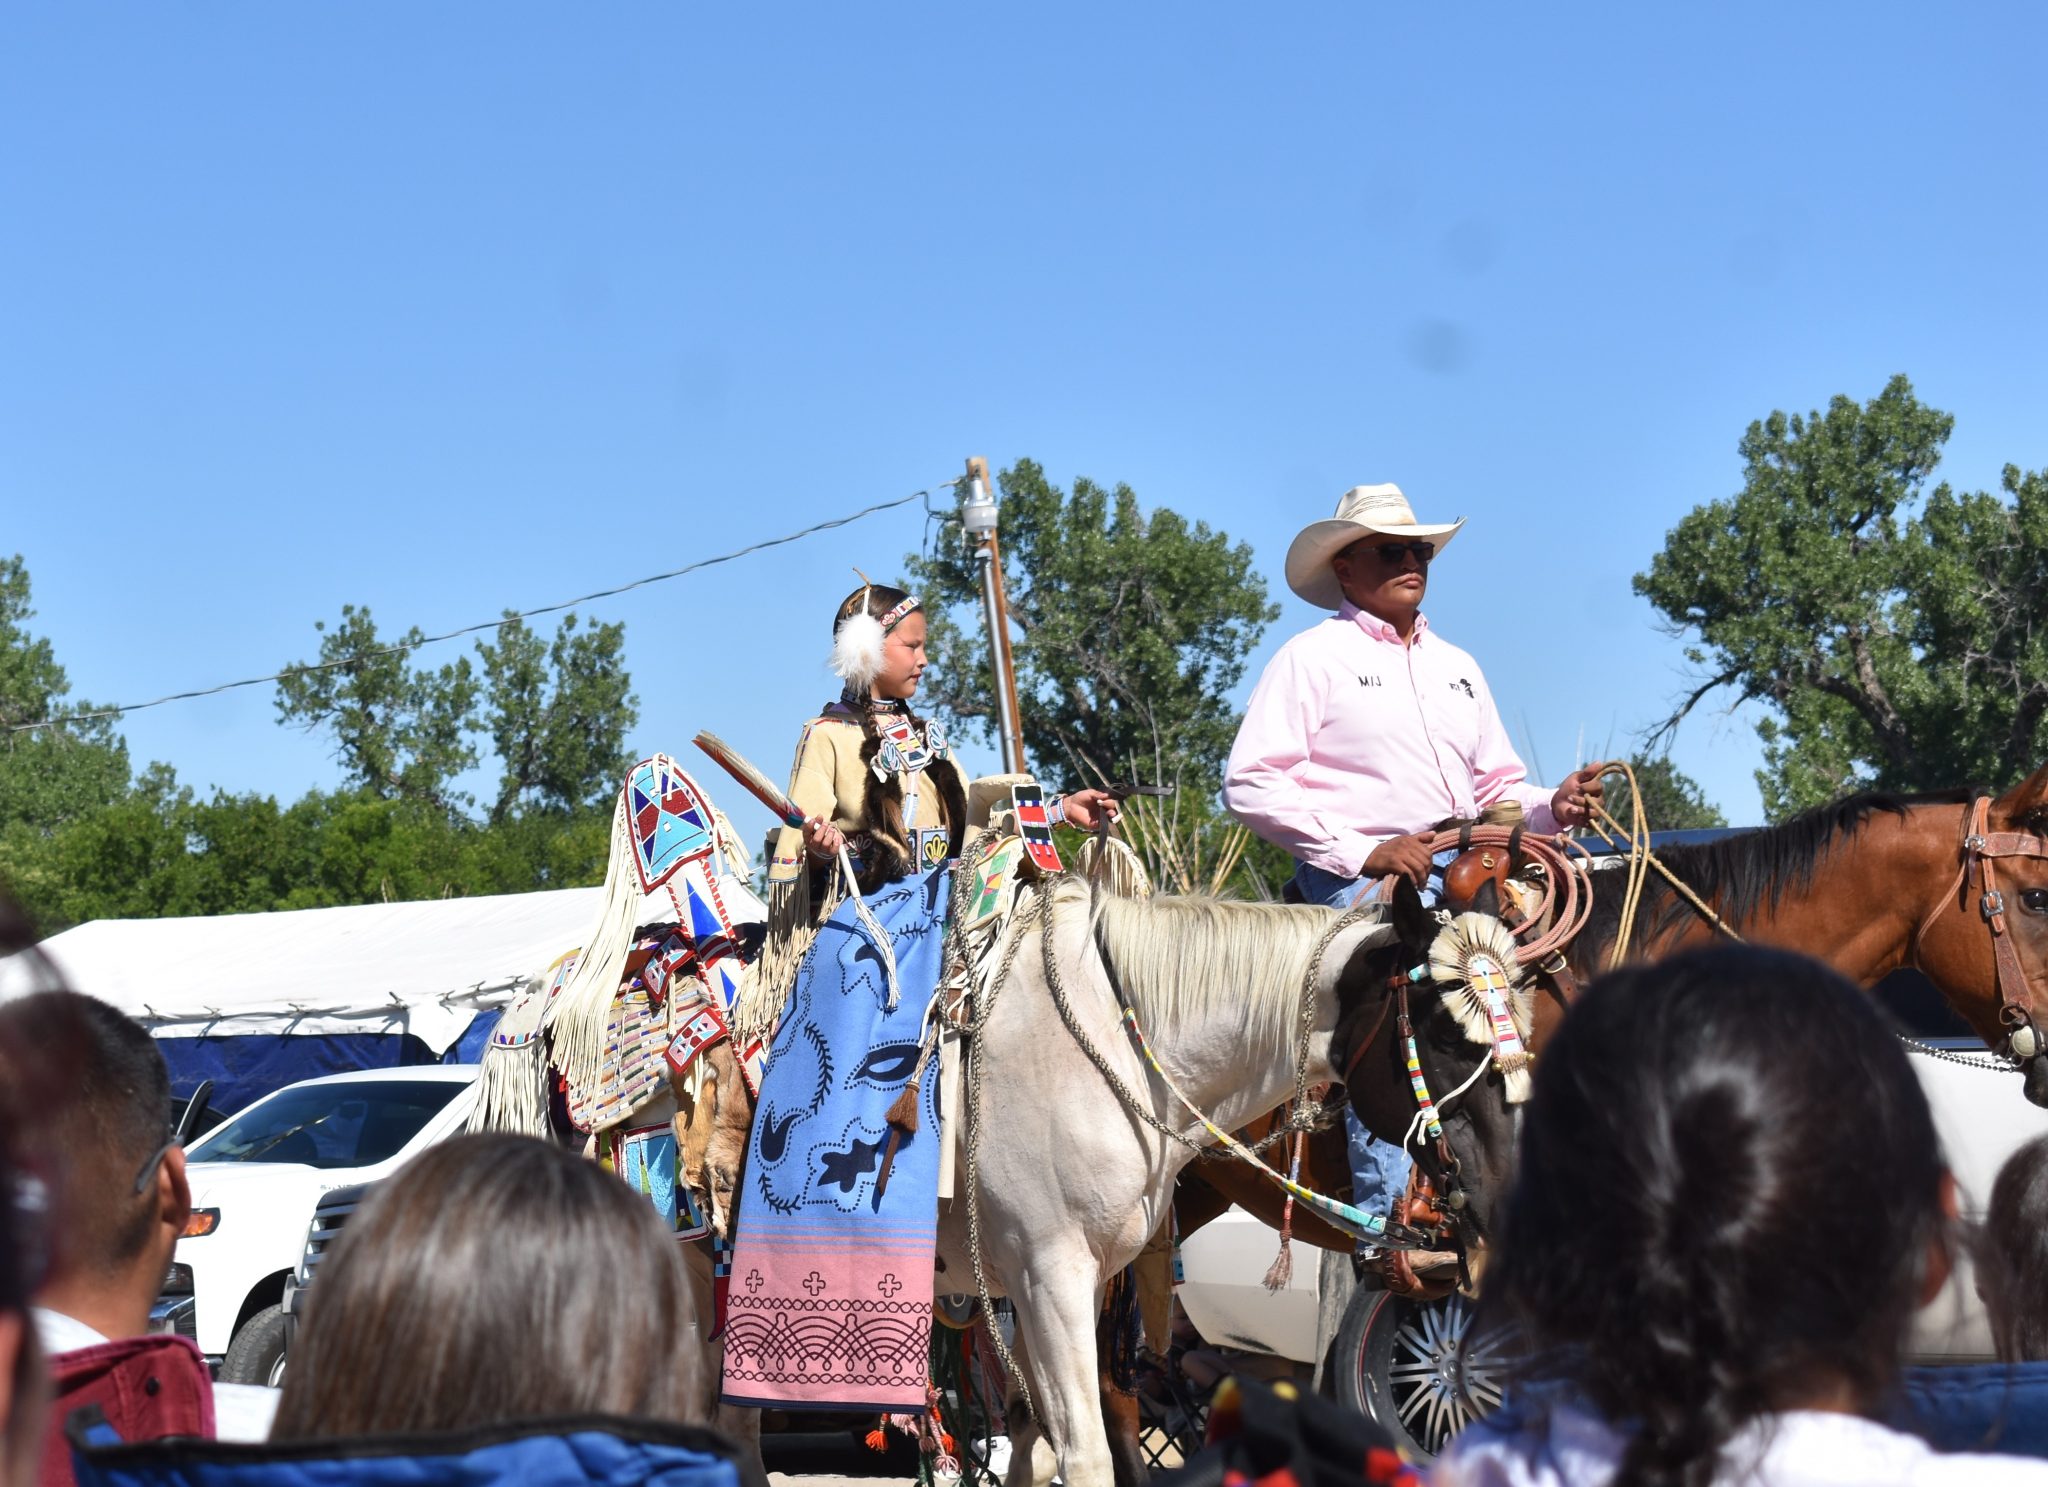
1871, 884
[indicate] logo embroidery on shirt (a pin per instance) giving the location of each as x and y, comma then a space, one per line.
1370, 681
1461, 685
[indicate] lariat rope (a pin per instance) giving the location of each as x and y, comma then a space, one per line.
1564, 887
1641, 861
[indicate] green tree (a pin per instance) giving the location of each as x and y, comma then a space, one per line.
1894, 647
556, 714
1672, 799
1130, 627
400, 732
48, 776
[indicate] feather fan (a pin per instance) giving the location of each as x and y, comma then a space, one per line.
1473, 960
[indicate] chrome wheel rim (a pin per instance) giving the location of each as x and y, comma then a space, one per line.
1435, 1391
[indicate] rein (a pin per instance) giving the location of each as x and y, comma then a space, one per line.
1981, 848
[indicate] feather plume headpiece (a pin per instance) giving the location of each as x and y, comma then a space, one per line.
857, 642
1473, 960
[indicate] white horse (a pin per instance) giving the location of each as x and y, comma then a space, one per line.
1072, 1183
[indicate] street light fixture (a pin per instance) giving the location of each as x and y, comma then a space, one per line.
978, 508
978, 518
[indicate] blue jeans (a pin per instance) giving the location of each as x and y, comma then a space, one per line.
1379, 1169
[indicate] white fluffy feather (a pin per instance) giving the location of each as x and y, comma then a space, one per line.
857, 649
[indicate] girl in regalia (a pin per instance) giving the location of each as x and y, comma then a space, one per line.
829, 1302
874, 777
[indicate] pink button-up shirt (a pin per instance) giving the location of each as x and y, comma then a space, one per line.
1351, 738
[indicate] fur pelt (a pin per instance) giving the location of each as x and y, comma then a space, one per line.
889, 857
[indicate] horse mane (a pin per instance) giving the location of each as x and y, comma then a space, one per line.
1175, 959
1744, 875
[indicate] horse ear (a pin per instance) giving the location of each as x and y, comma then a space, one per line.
1411, 920
2026, 798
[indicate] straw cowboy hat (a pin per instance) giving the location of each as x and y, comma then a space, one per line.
1362, 511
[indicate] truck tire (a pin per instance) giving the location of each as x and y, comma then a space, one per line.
256, 1356
1399, 1361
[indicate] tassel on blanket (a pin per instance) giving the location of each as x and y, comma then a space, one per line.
1281, 1272
902, 1116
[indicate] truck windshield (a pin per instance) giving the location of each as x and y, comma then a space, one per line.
328, 1125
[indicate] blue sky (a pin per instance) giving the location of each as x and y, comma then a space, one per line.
444, 309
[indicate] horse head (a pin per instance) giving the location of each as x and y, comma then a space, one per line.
1985, 941
1469, 1051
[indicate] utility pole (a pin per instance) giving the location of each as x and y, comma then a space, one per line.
978, 515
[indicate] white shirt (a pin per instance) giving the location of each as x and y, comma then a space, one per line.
1800, 1448
241, 1412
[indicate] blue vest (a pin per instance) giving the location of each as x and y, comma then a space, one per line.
2000, 1407
539, 1453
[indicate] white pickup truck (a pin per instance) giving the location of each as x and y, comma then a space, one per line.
255, 1180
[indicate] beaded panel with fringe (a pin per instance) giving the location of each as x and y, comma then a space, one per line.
666, 834
512, 1088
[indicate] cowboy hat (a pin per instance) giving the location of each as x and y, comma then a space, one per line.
1362, 511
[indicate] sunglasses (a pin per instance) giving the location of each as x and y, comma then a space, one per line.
149, 1167
1391, 553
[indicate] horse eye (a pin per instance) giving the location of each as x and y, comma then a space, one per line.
2035, 900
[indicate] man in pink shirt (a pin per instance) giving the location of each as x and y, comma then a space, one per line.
1368, 730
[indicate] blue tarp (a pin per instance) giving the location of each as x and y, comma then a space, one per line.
469, 1048
247, 1067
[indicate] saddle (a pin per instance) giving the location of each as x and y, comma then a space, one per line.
1504, 881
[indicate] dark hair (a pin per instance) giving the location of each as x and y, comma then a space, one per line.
1728, 1186
2012, 1255
880, 600
110, 1114
495, 1278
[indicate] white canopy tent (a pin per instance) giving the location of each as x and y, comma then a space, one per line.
420, 968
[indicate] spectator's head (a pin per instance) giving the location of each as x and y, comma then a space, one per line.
495, 1278
123, 1199
22, 1385
2012, 1256
24, 1228
1730, 1201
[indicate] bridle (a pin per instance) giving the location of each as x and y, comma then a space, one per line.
1426, 1117
1980, 850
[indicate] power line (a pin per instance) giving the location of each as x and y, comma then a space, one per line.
409, 645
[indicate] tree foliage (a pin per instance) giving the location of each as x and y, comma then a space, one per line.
49, 776
556, 714
1894, 633
1129, 629
80, 840
400, 730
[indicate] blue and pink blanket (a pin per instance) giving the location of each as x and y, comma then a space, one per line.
830, 1297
